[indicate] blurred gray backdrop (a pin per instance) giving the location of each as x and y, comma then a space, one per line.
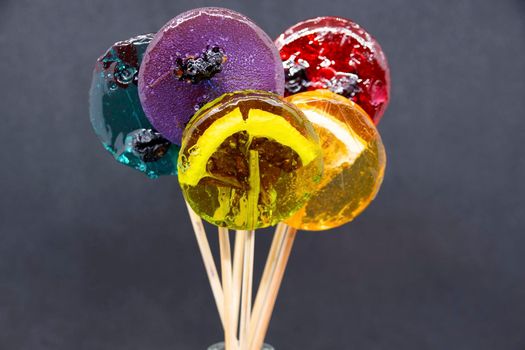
94, 256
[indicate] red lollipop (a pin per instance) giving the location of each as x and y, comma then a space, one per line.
336, 54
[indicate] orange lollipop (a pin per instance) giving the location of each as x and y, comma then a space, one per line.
354, 160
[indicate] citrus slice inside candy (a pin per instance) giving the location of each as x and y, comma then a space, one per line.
248, 160
258, 124
354, 160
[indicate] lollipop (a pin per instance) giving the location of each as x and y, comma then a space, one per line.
117, 116
353, 155
248, 160
336, 54
198, 56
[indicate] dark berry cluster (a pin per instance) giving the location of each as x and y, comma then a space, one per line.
203, 67
149, 145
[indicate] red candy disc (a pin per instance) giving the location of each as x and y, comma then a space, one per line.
336, 54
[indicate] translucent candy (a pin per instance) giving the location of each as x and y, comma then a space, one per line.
200, 55
336, 54
117, 116
354, 160
249, 160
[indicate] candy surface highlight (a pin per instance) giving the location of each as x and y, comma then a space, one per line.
249, 160
336, 54
200, 55
354, 160
117, 116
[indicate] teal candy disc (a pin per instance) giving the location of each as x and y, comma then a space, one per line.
117, 115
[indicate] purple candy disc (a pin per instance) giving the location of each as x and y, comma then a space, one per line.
198, 56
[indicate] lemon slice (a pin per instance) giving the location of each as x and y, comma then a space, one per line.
353, 143
353, 156
249, 160
259, 123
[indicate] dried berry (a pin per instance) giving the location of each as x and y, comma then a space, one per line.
204, 67
149, 145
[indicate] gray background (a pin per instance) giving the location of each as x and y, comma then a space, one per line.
95, 256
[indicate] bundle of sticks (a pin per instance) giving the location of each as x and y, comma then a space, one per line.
245, 322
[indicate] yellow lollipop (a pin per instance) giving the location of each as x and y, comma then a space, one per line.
248, 160
354, 160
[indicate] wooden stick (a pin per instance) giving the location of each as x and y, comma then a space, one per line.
247, 285
263, 320
209, 263
238, 262
226, 273
269, 269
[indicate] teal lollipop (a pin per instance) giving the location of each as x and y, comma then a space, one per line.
117, 116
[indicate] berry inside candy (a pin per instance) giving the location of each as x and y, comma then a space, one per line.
197, 69
148, 145
117, 115
336, 54
198, 56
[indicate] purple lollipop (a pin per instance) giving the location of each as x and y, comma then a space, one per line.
198, 56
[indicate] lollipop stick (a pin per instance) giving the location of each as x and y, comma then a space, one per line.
263, 320
238, 262
209, 263
269, 268
226, 273
247, 285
